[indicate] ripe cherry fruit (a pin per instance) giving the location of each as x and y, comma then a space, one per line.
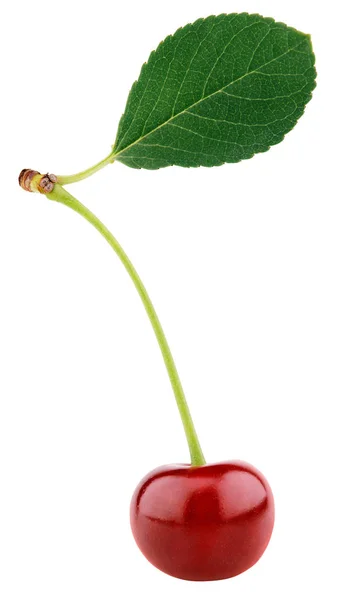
199, 522
203, 523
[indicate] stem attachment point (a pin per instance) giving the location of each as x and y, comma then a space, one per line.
33, 181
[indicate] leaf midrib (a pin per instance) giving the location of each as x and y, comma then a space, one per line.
185, 110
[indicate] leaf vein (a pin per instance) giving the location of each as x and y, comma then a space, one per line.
189, 67
238, 123
258, 46
224, 50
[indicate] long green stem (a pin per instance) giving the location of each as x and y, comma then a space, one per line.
59, 194
65, 179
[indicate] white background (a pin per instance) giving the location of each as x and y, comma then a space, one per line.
245, 266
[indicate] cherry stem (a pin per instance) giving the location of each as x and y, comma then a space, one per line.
59, 194
65, 179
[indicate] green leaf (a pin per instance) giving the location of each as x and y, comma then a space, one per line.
219, 90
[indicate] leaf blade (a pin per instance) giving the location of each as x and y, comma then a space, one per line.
219, 90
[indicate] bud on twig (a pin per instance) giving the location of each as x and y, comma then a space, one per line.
33, 181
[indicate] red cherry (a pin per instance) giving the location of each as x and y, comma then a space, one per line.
203, 523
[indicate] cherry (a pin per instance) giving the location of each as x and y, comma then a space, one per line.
199, 522
203, 523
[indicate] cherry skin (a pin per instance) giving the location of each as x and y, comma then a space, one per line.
203, 523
